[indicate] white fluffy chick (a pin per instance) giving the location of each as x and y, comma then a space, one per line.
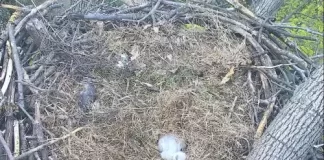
171, 147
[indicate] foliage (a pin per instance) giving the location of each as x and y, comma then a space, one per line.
309, 16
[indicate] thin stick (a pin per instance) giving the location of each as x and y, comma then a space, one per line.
5, 146
47, 144
271, 67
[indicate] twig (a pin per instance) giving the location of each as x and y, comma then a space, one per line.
286, 33
320, 56
18, 67
5, 146
271, 67
151, 12
36, 149
296, 27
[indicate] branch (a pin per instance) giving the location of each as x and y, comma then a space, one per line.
296, 27
105, 17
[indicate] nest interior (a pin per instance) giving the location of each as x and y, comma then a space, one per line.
174, 87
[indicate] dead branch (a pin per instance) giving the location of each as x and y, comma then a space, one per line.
301, 28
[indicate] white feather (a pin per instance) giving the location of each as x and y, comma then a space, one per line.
171, 148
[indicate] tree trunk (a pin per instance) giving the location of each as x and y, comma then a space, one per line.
265, 8
298, 125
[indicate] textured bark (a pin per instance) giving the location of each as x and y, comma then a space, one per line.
265, 8
298, 125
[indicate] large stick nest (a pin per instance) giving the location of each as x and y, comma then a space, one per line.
157, 68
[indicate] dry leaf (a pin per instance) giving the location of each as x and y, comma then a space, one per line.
228, 76
135, 52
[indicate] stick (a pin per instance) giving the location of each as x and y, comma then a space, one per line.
18, 67
36, 149
271, 67
9, 72
5, 146
302, 28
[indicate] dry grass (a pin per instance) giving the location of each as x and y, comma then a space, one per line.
127, 118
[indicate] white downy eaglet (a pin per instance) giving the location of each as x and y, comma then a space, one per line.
171, 148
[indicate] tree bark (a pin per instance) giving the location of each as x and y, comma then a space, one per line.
265, 8
298, 125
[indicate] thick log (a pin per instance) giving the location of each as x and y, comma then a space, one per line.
297, 126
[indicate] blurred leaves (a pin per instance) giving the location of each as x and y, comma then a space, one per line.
309, 16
